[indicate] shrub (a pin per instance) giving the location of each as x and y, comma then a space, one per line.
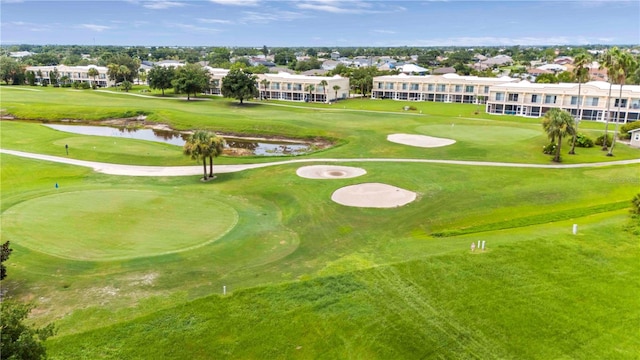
85, 85
624, 130
600, 140
549, 149
582, 141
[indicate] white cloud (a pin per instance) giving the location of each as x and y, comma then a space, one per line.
349, 7
266, 17
161, 5
194, 28
237, 2
384, 31
215, 21
94, 27
496, 41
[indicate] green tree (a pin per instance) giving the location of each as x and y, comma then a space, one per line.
336, 88
20, 341
547, 79
216, 147
219, 57
117, 73
160, 77
581, 73
265, 84
624, 63
557, 123
566, 77
10, 70
31, 78
239, 85
5, 251
191, 79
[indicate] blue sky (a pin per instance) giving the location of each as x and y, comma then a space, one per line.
331, 23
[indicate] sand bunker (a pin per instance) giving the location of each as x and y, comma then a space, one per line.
329, 172
419, 140
373, 195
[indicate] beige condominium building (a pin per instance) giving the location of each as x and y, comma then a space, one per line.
285, 86
441, 88
595, 100
70, 74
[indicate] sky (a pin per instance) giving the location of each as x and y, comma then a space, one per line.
326, 23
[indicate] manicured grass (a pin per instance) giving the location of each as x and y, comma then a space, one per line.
80, 225
306, 277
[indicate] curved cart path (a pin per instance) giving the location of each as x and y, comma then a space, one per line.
136, 170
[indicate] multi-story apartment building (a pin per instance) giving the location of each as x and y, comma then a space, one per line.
595, 100
442, 88
285, 86
72, 74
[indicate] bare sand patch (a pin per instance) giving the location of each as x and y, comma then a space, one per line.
419, 140
329, 172
373, 195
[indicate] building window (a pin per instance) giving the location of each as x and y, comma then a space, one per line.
574, 100
486, 89
513, 97
621, 103
468, 88
388, 86
441, 88
534, 98
499, 96
430, 87
550, 99
458, 88
415, 86
404, 86
592, 101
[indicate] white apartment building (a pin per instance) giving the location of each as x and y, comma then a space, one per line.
441, 88
535, 99
73, 73
285, 86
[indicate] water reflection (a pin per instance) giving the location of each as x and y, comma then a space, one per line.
247, 147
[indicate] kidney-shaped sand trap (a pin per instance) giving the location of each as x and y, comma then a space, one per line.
329, 172
419, 140
373, 195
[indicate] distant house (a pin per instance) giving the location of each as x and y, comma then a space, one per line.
563, 60
330, 64
635, 138
553, 67
444, 70
499, 60
20, 54
412, 69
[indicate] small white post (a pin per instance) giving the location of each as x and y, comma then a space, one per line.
224, 290
478, 244
482, 245
575, 229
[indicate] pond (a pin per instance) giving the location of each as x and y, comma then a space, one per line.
234, 146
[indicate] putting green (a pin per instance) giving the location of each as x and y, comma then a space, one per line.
480, 134
117, 224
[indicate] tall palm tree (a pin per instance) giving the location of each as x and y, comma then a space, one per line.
581, 72
324, 84
609, 63
624, 64
309, 88
197, 147
336, 88
557, 123
93, 72
265, 83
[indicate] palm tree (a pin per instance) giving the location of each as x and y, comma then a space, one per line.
265, 83
336, 88
309, 88
324, 84
93, 72
624, 64
581, 72
557, 123
216, 146
197, 148
609, 63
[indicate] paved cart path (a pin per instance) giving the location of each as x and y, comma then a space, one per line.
136, 170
